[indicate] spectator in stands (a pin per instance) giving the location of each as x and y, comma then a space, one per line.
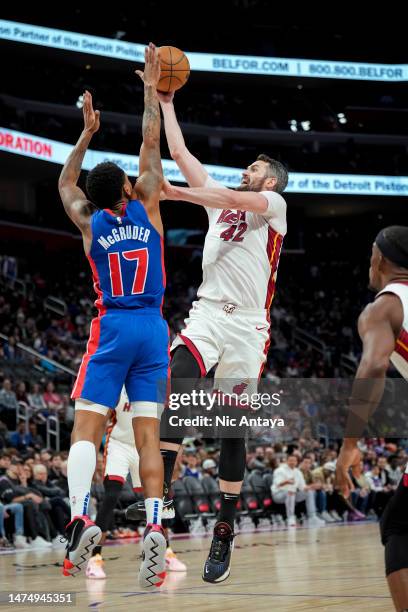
17, 511
381, 486
4, 435
37, 440
62, 482
395, 471
370, 459
316, 486
270, 459
45, 457
52, 399
55, 467
385, 472
20, 439
5, 461
192, 468
209, 468
60, 511
257, 461
336, 503
10, 349
36, 398
8, 400
13, 489
21, 392
289, 487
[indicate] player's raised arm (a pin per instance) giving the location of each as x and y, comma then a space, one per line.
379, 325
76, 204
192, 169
149, 183
228, 199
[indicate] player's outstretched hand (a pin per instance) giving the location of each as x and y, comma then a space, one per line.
91, 116
151, 74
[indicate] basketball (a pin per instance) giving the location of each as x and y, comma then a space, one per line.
175, 69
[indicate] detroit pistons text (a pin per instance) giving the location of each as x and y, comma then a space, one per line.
208, 400
225, 421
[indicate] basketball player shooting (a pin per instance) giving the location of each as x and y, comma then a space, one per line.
229, 324
383, 329
128, 345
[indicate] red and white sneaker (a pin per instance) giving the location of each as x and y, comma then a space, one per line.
94, 568
82, 535
172, 563
153, 569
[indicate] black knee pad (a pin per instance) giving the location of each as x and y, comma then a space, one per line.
112, 491
232, 459
183, 365
396, 553
185, 372
110, 499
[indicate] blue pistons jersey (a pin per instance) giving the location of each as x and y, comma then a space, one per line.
128, 343
126, 257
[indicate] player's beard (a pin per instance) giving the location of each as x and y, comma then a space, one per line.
254, 186
249, 187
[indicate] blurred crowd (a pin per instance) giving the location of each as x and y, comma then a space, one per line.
34, 504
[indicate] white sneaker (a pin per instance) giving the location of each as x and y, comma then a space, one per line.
291, 521
20, 542
94, 568
314, 521
279, 519
59, 542
325, 516
336, 516
39, 542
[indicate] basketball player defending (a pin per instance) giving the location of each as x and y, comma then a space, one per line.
383, 328
229, 324
120, 459
128, 344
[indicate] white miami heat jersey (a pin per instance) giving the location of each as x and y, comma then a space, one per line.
399, 357
122, 429
241, 254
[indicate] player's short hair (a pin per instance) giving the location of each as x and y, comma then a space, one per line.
104, 184
277, 170
393, 244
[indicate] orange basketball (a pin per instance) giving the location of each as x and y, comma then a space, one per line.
175, 69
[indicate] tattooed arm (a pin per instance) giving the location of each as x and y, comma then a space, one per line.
73, 198
148, 185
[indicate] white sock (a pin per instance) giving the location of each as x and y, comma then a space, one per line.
154, 509
80, 470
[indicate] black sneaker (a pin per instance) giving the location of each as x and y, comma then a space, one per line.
218, 564
82, 535
137, 511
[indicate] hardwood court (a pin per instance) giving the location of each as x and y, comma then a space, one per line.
335, 568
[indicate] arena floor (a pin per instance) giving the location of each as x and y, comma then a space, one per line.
335, 568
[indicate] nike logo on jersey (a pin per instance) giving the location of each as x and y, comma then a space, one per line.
259, 327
